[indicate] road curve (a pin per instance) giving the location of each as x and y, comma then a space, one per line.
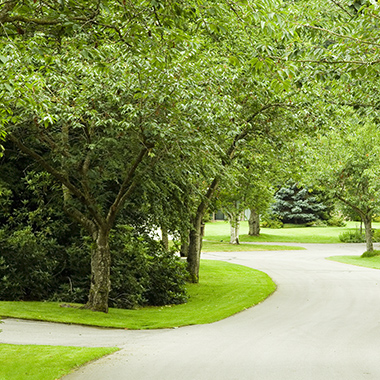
322, 323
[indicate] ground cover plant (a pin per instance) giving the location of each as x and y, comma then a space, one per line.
225, 289
32, 362
219, 231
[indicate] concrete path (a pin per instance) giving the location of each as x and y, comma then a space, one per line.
322, 323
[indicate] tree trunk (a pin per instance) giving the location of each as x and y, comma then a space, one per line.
195, 247
196, 234
184, 244
165, 237
100, 272
367, 220
254, 223
234, 229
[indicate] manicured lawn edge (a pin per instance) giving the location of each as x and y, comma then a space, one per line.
217, 246
367, 262
224, 289
35, 362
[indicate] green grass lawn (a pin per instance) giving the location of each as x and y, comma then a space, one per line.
217, 246
220, 231
368, 262
224, 290
44, 362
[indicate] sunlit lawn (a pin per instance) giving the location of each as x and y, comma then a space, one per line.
368, 262
32, 362
224, 290
218, 246
219, 231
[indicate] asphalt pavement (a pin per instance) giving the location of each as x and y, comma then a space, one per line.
322, 323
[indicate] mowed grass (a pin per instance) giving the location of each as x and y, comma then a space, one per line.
368, 262
31, 362
224, 289
217, 246
220, 231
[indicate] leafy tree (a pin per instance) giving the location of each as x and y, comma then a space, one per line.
348, 166
100, 113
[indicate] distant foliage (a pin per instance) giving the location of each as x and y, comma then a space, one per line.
352, 237
298, 205
270, 222
336, 221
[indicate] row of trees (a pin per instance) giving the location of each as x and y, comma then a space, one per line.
140, 111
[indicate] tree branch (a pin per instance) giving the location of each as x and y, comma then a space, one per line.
127, 186
59, 176
339, 35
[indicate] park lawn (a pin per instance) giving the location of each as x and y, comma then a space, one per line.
224, 289
220, 231
32, 362
368, 262
217, 246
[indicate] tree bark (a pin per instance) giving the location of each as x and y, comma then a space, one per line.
100, 272
185, 244
234, 228
234, 233
196, 234
165, 237
195, 247
254, 223
367, 220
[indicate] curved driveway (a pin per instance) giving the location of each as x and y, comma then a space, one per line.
322, 323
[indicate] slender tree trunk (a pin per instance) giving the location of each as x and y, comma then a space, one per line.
254, 223
196, 234
234, 229
184, 244
367, 220
195, 247
165, 237
100, 272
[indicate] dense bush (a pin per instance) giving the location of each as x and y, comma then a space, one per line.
352, 237
371, 253
143, 272
336, 221
376, 235
43, 255
271, 223
33, 266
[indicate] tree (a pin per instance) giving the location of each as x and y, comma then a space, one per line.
348, 162
297, 204
101, 114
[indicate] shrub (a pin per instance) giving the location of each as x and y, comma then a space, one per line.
371, 253
27, 266
144, 273
376, 236
352, 237
336, 221
272, 223
33, 266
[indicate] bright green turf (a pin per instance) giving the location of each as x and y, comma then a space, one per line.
368, 262
217, 246
224, 290
44, 362
219, 231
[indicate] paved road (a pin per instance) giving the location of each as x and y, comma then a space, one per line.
322, 323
